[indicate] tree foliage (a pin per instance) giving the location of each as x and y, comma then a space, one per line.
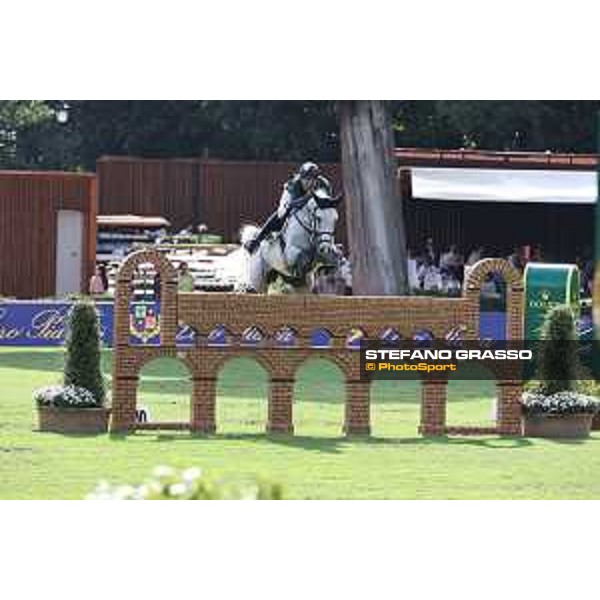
32, 137
18, 119
534, 125
238, 130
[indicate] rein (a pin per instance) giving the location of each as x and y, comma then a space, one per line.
312, 231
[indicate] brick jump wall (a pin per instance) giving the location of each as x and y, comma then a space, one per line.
338, 315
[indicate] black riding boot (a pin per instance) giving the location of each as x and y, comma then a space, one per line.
273, 224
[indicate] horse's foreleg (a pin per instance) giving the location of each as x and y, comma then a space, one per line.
257, 273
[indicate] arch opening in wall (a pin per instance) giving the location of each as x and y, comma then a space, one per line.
395, 406
144, 306
242, 397
497, 286
319, 398
164, 394
472, 397
493, 306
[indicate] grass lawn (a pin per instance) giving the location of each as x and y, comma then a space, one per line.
316, 463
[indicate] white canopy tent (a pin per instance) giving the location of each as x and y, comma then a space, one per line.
504, 185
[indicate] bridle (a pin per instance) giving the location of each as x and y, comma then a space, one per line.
315, 234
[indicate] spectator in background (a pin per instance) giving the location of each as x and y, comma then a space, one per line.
98, 282
586, 268
104, 277
413, 270
451, 285
475, 255
451, 263
515, 259
185, 279
429, 254
431, 278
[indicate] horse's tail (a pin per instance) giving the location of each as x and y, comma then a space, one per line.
248, 232
248, 266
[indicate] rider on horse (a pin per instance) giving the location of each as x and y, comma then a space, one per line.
296, 193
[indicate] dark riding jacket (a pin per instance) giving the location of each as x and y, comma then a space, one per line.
292, 199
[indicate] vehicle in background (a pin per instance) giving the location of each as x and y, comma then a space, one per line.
118, 235
214, 267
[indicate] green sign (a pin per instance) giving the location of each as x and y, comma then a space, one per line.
548, 285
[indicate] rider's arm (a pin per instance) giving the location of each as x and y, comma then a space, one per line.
287, 201
284, 203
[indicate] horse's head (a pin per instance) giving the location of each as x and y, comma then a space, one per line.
324, 217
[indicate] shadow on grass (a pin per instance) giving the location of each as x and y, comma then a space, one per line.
332, 445
496, 443
335, 445
568, 441
76, 436
10, 449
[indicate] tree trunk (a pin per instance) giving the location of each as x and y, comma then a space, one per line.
373, 206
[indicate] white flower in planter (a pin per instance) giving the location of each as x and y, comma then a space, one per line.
178, 489
69, 396
162, 472
190, 475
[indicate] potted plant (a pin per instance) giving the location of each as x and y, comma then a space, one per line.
69, 409
556, 408
77, 406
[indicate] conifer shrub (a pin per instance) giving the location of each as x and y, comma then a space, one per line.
558, 391
82, 360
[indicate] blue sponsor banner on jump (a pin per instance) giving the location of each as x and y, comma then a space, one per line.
24, 323
37, 323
